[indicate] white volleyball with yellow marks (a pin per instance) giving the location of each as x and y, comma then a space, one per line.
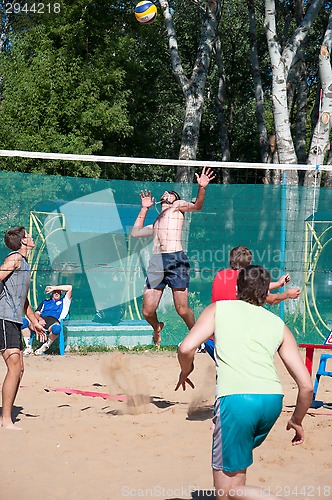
145, 12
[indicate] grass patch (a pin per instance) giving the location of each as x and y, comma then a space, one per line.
84, 350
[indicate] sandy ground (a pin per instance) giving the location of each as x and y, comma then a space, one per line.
83, 447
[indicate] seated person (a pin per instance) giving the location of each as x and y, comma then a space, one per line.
49, 312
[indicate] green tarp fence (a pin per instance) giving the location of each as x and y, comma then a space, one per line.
82, 232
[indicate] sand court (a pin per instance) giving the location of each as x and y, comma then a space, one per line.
155, 445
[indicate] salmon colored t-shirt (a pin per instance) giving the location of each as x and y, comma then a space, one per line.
224, 285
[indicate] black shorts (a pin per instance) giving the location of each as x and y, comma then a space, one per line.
170, 269
10, 335
50, 320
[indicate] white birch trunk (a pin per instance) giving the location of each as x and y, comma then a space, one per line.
284, 141
281, 62
320, 142
193, 88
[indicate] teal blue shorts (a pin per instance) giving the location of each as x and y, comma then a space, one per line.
242, 422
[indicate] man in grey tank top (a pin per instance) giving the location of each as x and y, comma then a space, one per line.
14, 304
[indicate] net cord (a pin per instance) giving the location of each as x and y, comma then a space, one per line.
156, 161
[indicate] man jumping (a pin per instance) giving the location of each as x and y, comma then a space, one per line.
169, 264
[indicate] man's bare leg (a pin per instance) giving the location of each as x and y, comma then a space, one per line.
226, 481
151, 299
156, 334
51, 338
14, 362
180, 298
232, 485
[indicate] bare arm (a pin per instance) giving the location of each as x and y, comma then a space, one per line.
139, 231
276, 298
203, 180
10, 264
200, 332
280, 283
64, 288
290, 355
35, 325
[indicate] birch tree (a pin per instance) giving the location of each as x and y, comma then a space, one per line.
281, 63
320, 142
287, 63
192, 87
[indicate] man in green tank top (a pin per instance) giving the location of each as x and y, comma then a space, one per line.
249, 394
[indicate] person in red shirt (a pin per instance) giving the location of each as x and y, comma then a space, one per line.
224, 286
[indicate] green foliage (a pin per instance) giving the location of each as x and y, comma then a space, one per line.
92, 80
64, 100
239, 104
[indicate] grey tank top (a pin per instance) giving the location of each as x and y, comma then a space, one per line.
15, 292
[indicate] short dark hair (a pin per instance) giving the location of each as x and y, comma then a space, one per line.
240, 257
253, 285
14, 236
177, 196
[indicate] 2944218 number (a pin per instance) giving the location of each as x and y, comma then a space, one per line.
33, 8
303, 491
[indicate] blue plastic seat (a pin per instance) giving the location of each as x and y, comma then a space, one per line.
321, 371
62, 338
61, 334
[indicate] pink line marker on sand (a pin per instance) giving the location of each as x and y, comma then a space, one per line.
91, 394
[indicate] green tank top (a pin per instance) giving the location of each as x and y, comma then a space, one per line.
246, 340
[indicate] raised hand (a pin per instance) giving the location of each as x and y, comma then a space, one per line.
146, 199
283, 280
206, 176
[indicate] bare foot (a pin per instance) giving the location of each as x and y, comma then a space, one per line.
156, 335
10, 426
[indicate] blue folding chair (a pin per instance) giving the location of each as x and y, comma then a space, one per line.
321, 372
62, 338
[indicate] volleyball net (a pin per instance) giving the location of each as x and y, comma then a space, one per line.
82, 231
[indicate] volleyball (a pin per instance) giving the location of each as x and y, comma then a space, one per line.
145, 12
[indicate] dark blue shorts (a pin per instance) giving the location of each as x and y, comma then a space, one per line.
50, 320
170, 269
